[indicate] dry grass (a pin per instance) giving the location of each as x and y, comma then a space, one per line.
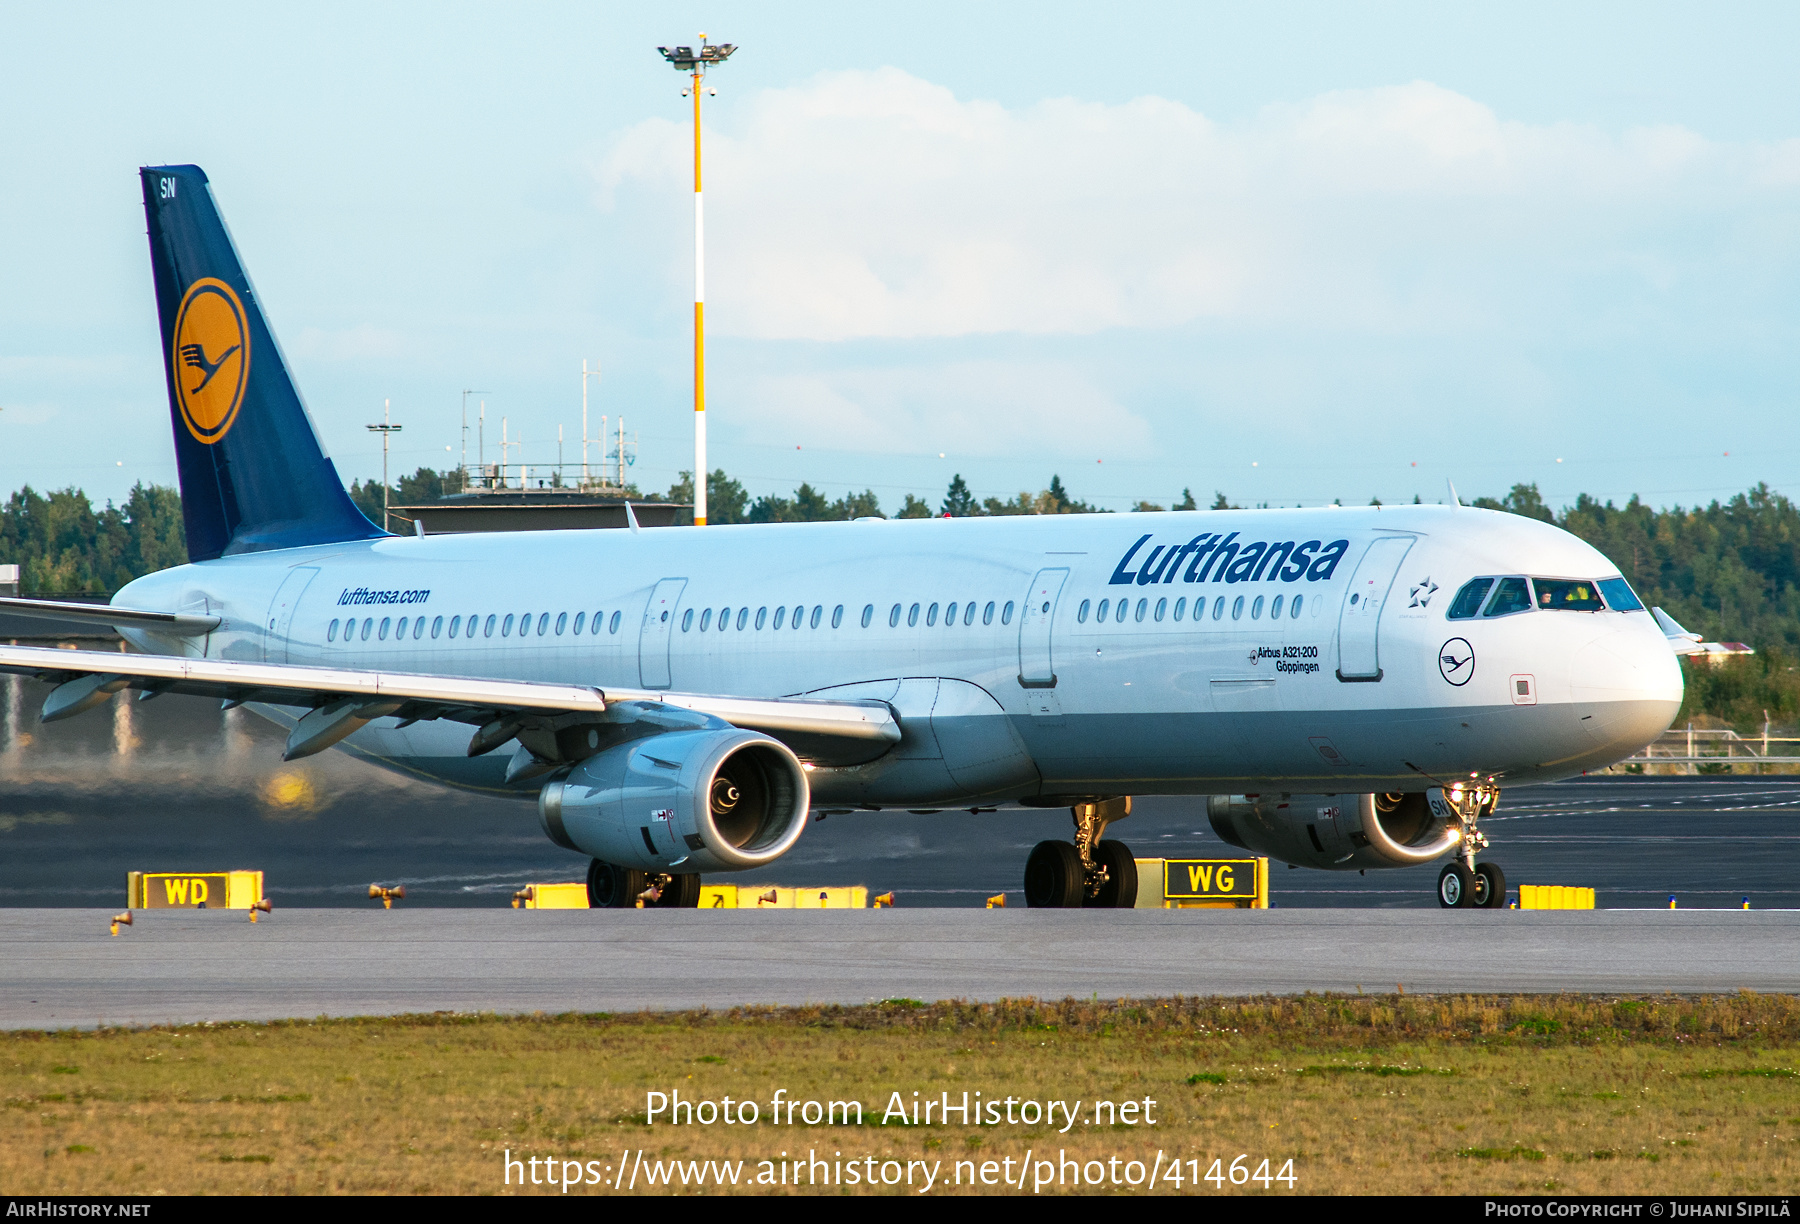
1379, 1094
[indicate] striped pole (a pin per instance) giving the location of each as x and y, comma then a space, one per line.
699, 322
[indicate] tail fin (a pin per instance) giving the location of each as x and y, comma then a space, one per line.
253, 473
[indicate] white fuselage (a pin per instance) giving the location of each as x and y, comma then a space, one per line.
1202, 687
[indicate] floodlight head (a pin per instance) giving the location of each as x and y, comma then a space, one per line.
682, 59
718, 54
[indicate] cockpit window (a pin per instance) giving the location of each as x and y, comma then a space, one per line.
1619, 596
1511, 595
1567, 594
1468, 600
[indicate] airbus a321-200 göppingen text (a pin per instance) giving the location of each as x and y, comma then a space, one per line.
1351, 687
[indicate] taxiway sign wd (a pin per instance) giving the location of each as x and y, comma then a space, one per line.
185, 891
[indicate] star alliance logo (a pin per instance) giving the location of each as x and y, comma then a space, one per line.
1422, 593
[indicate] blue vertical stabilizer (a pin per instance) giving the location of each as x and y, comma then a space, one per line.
253, 473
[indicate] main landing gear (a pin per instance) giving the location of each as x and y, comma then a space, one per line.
1466, 884
611, 886
1090, 873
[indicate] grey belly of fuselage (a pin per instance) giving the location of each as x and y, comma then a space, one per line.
965, 760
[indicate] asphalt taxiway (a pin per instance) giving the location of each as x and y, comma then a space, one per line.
62, 969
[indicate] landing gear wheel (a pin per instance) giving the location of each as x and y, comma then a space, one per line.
1456, 887
611, 886
1053, 877
681, 892
1490, 886
1120, 889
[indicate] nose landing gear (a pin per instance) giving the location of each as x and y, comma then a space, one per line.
1090, 873
1466, 884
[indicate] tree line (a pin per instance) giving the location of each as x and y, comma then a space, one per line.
1729, 571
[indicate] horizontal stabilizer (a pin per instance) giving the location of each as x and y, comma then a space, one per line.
1680, 640
173, 623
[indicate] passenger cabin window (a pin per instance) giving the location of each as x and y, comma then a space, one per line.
1256, 608
1619, 596
419, 627
385, 622
762, 617
331, 631
580, 620
987, 613
780, 615
1512, 595
1180, 608
1080, 614
613, 625
1468, 600
687, 620
1294, 612
1007, 611
969, 613
437, 627
543, 624
1567, 595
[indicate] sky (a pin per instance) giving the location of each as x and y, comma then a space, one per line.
1288, 252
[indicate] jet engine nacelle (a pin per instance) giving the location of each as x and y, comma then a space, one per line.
1339, 832
708, 800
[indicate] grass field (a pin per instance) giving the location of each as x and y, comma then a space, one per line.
1391, 1094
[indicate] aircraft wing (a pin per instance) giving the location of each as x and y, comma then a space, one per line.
343, 700
173, 623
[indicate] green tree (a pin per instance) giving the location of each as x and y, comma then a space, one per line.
65, 546
1186, 502
958, 501
915, 507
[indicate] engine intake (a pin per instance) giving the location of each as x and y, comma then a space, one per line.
713, 800
1338, 832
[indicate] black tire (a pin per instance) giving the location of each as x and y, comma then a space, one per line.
1490, 886
1053, 876
1120, 889
1456, 887
681, 892
611, 886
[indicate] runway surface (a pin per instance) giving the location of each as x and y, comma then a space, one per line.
62, 969
174, 785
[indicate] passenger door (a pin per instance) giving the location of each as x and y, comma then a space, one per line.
1359, 647
653, 638
1036, 667
281, 613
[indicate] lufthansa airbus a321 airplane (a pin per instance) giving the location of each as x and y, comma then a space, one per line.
1351, 687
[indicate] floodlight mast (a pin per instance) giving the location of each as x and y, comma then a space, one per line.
686, 60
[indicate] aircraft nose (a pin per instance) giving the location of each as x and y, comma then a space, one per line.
1627, 686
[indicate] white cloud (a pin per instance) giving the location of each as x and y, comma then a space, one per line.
973, 408
877, 205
